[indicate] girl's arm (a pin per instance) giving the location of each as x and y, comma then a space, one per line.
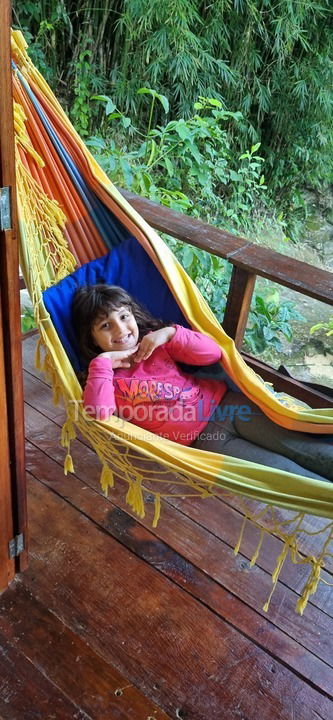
98, 395
153, 340
193, 348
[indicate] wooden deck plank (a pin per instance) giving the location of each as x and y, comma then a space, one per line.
25, 693
169, 609
180, 550
224, 521
253, 587
308, 543
136, 618
28, 358
178, 567
217, 517
39, 395
96, 687
312, 523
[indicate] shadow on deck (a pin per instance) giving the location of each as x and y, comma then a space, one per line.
115, 621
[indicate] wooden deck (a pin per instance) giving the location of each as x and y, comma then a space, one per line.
115, 621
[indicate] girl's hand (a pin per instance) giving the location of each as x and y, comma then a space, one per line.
120, 358
153, 340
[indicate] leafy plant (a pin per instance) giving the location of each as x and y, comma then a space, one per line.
155, 96
45, 25
185, 164
188, 165
271, 60
80, 111
270, 319
27, 319
327, 326
85, 81
210, 273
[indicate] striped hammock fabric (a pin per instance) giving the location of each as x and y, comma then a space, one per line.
65, 202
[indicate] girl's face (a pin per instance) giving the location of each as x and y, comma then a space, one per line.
117, 331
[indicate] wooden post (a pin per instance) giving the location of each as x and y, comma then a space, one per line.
238, 304
7, 565
11, 420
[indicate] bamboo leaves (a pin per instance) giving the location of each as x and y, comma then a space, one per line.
272, 60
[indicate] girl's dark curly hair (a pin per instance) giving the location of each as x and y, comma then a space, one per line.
97, 301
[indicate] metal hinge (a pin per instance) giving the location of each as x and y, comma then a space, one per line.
16, 546
5, 209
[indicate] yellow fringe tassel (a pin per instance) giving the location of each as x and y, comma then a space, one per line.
56, 394
257, 551
68, 464
134, 498
310, 587
276, 573
107, 479
238, 544
67, 433
157, 509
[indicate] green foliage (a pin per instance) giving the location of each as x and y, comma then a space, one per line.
155, 96
269, 319
272, 60
327, 326
80, 110
168, 48
47, 27
27, 319
210, 273
63, 36
186, 164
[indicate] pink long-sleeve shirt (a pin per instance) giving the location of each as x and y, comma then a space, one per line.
156, 394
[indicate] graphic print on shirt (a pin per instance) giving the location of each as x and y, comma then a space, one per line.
153, 390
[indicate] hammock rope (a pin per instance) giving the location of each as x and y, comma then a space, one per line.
64, 201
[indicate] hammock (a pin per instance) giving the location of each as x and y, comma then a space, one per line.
70, 214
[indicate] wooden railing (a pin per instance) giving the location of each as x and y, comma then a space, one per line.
248, 261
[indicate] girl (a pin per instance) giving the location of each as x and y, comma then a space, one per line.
133, 371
